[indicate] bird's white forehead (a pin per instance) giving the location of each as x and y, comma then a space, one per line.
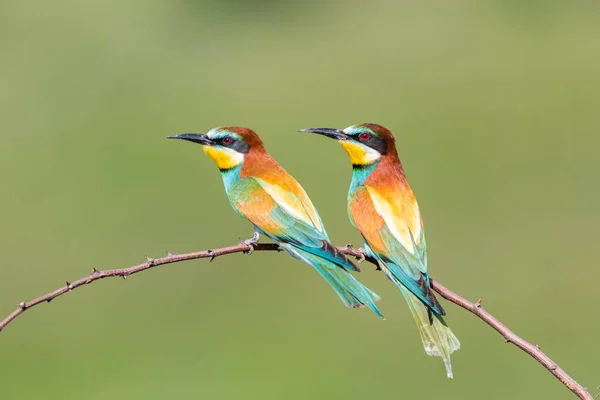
354, 129
213, 133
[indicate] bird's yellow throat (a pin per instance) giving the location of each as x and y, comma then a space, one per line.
223, 157
359, 154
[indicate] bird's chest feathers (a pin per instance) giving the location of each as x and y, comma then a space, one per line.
359, 176
224, 158
230, 177
359, 154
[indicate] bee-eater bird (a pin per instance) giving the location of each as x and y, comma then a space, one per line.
260, 190
383, 208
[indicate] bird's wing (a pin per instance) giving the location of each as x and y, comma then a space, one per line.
392, 227
285, 215
402, 233
293, 199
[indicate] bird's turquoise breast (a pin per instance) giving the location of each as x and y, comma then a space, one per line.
360, 175
230, 178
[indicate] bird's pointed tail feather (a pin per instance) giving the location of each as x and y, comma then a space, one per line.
438, 339
349, 289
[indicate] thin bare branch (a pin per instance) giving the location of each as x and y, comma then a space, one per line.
475, 308
125, 272
510, 337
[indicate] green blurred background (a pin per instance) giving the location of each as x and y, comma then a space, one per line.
496, 109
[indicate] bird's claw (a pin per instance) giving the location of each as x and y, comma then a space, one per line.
251, 243
360, 257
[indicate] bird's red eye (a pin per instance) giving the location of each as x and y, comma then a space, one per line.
227, 141
364, 136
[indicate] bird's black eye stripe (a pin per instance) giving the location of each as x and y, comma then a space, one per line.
373, 141
239, 145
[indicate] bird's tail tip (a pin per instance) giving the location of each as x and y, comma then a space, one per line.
438, 339
353, 293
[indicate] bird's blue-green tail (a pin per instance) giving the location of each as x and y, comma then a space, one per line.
437, 338
352, 293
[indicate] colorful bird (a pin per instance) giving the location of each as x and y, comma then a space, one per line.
261, 191
383, 208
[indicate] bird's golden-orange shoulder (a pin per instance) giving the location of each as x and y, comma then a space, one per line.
258, 211
280, 185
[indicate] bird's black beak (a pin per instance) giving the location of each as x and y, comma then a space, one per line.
333, 133
199, 138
